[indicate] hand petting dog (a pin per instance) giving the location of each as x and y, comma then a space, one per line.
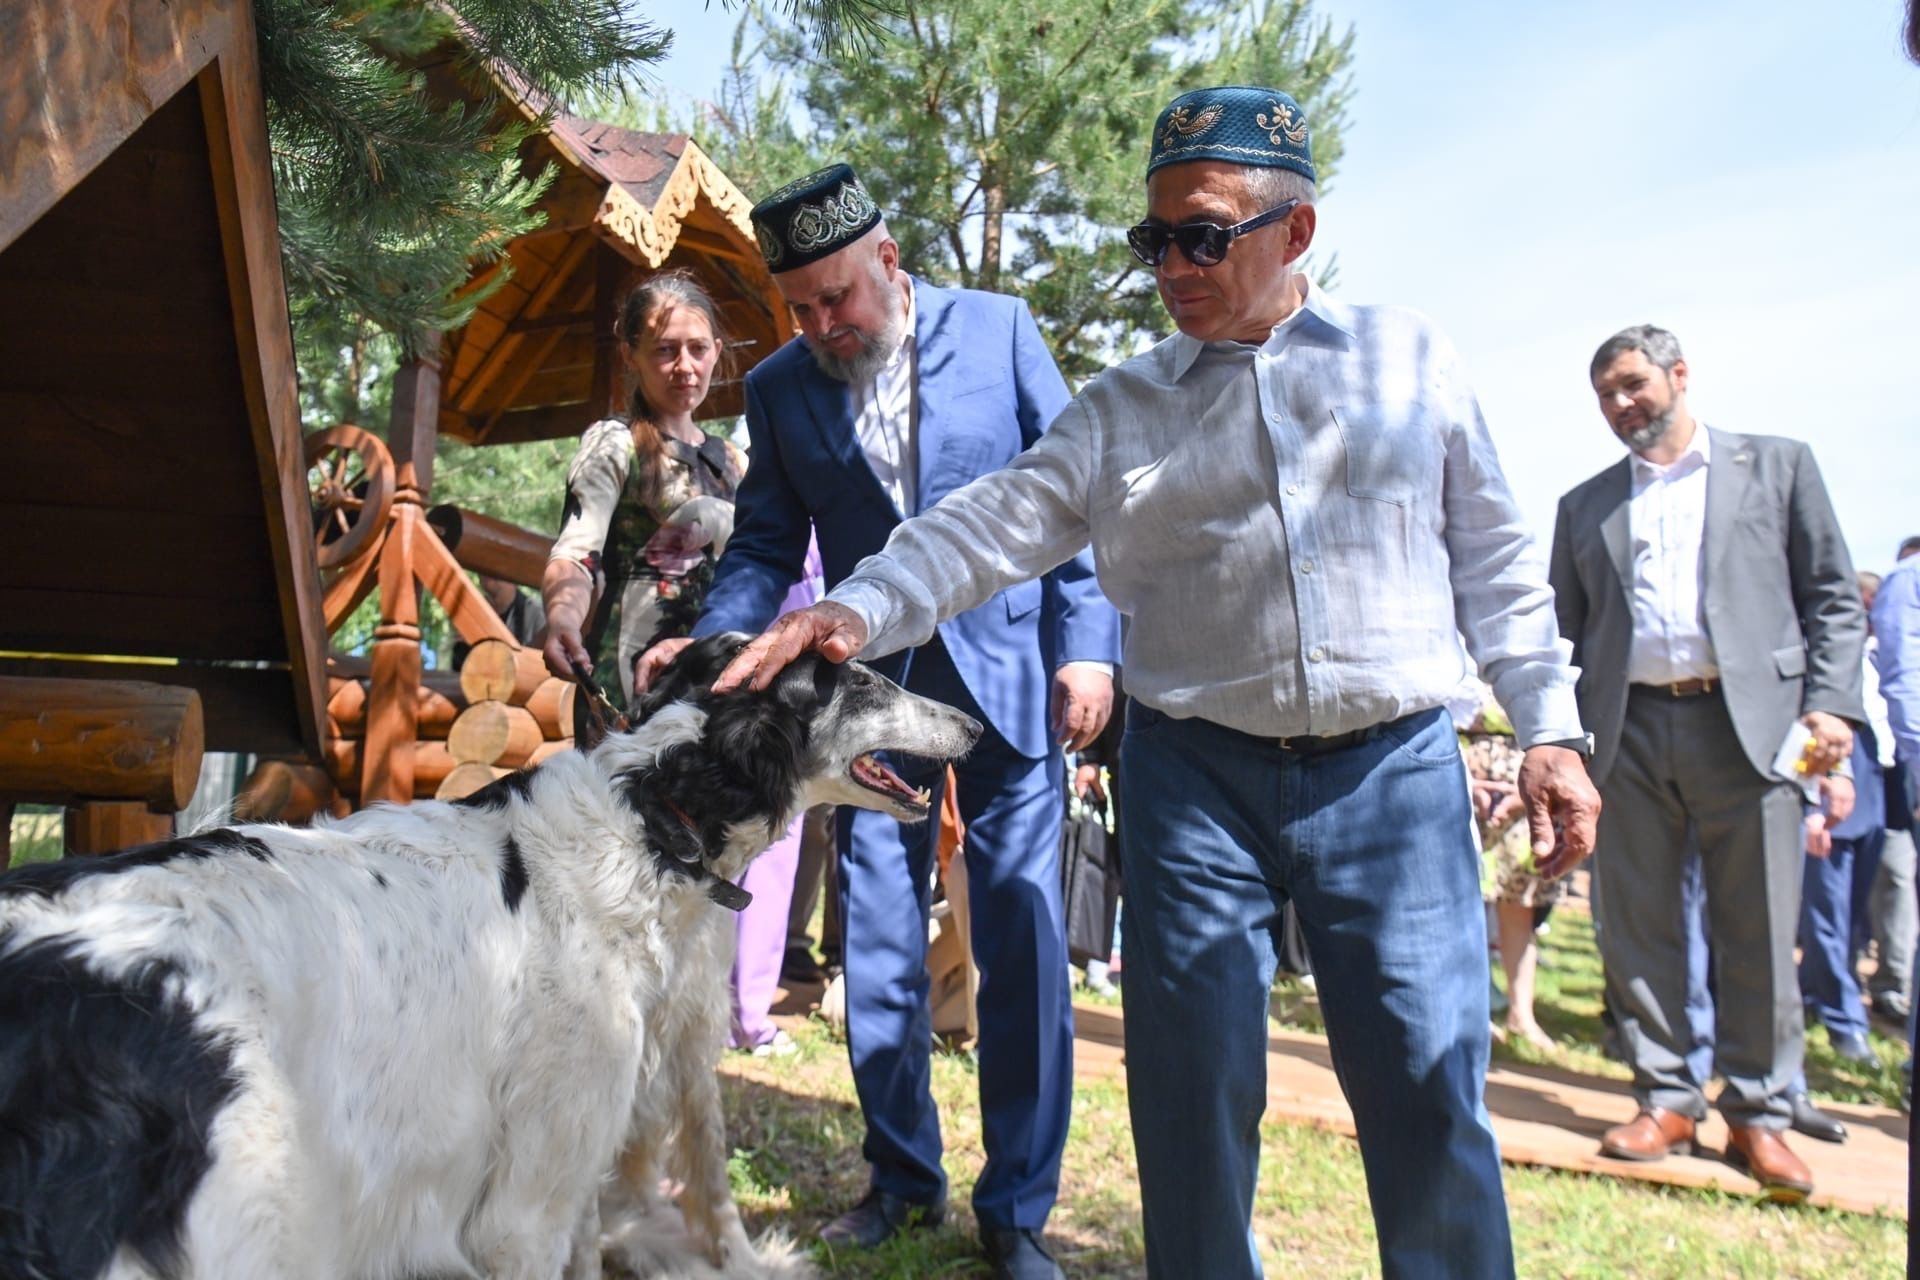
832, 630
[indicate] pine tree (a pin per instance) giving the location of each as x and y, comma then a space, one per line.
391, 192
1007, 141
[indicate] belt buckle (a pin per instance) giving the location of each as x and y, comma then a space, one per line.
1674, 689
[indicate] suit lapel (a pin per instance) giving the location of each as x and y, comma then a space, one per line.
1729, 478
1615, 527
934, 360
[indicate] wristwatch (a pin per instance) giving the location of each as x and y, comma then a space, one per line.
1583, 744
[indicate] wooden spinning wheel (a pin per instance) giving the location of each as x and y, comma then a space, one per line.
350, 481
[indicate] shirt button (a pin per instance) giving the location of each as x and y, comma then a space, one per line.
1276, 417
1292, 489
1306, 566
1317, 655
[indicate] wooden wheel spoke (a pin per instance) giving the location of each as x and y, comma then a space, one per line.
350, 478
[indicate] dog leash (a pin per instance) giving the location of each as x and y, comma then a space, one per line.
604, 718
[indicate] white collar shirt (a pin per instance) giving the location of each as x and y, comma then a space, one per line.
1667, 521
884, 419
1297, 532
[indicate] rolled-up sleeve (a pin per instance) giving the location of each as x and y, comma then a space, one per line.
1008, 526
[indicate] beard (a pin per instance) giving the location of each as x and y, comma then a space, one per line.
1650, 433
875, 348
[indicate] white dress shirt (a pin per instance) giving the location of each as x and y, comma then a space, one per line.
1667, 520
1291, 529
884, 419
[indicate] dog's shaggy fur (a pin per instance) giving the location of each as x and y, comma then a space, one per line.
414, 1042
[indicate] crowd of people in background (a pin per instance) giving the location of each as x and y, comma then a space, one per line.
1297, 506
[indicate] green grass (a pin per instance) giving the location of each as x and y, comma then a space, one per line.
36, 832
797, 1132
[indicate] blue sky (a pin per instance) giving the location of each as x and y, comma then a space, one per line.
1536, 176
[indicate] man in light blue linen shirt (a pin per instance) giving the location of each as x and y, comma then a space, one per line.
1297, 503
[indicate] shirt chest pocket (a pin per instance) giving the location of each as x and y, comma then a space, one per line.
1391, 452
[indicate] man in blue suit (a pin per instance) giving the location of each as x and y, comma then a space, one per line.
896, 394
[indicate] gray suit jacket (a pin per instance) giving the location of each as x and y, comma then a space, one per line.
1782, 606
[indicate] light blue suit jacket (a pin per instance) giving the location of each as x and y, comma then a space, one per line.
986, 387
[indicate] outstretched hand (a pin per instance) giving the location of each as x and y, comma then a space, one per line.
833, 630
1563, 808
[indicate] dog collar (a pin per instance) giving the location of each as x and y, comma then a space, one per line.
720, 890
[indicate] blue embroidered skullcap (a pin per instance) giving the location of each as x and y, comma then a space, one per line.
812, 217
1238, 123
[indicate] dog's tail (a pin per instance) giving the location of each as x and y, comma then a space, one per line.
107, 1094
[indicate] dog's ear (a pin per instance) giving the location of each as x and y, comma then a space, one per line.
757, 741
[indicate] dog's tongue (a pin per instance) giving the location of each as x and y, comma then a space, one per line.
871, 771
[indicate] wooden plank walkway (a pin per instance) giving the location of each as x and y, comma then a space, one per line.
1554, 1118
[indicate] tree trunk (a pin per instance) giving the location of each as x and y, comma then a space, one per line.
990, 236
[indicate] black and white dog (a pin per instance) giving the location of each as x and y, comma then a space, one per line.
413, 1042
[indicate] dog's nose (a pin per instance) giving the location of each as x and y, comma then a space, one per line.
973, 729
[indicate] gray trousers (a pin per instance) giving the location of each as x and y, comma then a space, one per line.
1894, 916
1681, 770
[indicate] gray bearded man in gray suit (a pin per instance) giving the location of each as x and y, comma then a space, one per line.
1711, 603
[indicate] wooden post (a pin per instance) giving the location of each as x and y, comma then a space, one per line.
107, 826
609, 374
412, 428
386, 765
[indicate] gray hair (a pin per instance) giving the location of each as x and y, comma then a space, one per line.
1660, 348
1269, 187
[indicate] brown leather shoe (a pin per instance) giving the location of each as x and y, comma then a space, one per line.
1651, 1135
1782, 1175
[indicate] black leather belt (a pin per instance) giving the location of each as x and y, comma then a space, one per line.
1689, 688
1307, 744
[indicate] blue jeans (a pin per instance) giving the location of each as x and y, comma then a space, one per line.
1833, 930
1373, 844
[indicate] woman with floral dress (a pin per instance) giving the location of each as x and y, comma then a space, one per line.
649, 509
1508, 880
649, 497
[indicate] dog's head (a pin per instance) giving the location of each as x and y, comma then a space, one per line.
812, 737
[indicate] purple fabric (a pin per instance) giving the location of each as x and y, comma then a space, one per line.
760, 940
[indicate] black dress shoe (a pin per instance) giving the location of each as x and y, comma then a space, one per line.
1814, 1122
879, 1218
1017, 1255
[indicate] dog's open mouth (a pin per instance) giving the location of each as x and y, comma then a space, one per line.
875, 776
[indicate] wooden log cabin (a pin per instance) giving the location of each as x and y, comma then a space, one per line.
158, 587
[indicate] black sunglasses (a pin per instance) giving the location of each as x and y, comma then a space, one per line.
1203, 243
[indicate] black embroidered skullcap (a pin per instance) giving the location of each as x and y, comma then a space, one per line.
815, 216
